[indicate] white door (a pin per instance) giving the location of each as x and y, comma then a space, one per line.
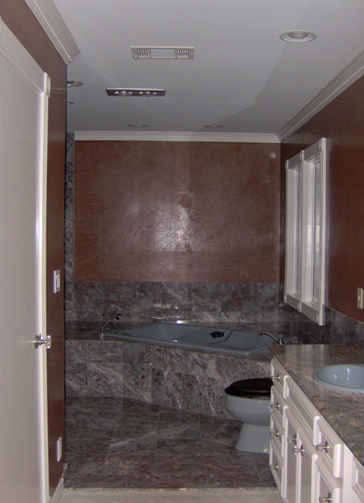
24, 90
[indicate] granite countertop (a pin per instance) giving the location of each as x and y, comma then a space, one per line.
344, 411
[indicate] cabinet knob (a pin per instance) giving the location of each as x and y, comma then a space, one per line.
298, 450
274, 433
291, 439
275, 378
274, 467
323, 447
327, 499
275, 406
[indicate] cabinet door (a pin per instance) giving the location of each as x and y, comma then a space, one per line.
300, 456
327, 489
306, 462
291, 460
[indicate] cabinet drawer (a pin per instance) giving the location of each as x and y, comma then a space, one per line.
300, 405
276, 465
277, 404
330, 448
277, 375
276, 431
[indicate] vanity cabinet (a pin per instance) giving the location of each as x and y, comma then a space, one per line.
309, 462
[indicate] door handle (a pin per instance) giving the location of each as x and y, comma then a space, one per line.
38, 341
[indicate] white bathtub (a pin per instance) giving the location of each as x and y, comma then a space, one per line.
210, 339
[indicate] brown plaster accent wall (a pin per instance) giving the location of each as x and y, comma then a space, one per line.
342, 122
18, 17
170, 211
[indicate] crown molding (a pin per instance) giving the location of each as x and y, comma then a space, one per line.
53, 24
351, 73
176, 136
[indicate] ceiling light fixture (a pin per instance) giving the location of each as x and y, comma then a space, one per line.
74, 83
162, 52
298, 36
125, 91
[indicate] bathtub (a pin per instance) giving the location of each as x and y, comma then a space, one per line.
211, 339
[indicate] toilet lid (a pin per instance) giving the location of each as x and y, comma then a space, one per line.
250, 387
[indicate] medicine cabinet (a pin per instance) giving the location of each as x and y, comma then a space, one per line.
305, 275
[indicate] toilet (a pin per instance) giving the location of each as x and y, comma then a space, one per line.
249, 402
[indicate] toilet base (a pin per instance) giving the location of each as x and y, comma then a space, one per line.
254, 439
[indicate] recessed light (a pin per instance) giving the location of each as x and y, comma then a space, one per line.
298, 36
138, 125
74, 83
213, 126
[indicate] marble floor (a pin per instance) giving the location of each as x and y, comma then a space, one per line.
115, 443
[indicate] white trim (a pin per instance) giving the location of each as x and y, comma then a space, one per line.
41, 286
305, 260
56, 29
14, 51
175, 136
58, 492
339, 84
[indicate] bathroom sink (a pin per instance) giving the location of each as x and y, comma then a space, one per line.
345, 377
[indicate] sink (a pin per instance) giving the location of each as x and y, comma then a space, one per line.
344, 377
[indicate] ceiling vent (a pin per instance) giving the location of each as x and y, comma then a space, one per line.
163, 52
122, 91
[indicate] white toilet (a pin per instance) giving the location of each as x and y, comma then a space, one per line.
249, 402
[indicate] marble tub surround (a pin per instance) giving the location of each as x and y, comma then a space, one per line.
142, 301
89, 330
177, 378
343, 411
115, 443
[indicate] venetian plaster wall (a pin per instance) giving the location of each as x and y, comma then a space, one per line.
176, 211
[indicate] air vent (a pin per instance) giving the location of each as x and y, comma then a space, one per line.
122, 91
163, 52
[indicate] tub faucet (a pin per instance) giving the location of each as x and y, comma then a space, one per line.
278, 339
115, 316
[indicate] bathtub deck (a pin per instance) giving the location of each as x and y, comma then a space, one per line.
115, 443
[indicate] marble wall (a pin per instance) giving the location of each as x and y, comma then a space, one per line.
139, 301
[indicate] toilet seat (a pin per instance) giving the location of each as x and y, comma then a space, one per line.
251, 388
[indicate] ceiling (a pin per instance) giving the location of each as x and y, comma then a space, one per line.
243, 76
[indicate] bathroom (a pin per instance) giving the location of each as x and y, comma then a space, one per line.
341, 121
193, 272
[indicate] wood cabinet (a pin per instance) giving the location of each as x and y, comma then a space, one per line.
308, 460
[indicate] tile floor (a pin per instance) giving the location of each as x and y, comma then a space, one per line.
115, 443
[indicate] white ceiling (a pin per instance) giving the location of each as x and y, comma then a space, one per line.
243, 76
